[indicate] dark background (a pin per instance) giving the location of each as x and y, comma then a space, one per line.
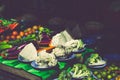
106, 12
80, 10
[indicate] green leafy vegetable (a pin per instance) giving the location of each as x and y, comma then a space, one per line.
64, 75
95, 59
80, 71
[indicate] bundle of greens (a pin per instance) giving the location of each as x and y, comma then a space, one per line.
95, 60
64, 75
80, 71
6, 23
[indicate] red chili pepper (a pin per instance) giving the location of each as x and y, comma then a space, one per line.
12, 26
0, 21
1, 30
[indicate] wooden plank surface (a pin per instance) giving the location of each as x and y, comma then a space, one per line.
19, 72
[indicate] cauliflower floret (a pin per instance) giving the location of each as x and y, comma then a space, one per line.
45, 59
59, 52
74, 44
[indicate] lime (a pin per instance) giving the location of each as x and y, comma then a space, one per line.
99, 76
112, 65
113, 74
89, 78
109, 77
111, 68
104, 73
41, 29
95, 72
108, 72
116, 68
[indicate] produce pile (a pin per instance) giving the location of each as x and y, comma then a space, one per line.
11, 44
45, 59
97, 71
34, 30
24, 46
109, 72
94, 60
82, 72
7, 24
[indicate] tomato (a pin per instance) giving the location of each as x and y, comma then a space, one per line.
21, 33
30, 32
18, 37
35, 27
14, 33
29, 29
26, 33
7, 37
33, 31
13, 37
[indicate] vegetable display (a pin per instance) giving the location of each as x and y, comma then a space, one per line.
74, 45
20, 45
12, 53
64, 75
80, 71
28, 53
7, 24
60, 38
4, 46
19, 35
61, 52
95, 60
108, 73
64, 51
45, 60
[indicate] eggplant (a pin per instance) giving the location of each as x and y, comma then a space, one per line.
10, 55
11, 49
13, 53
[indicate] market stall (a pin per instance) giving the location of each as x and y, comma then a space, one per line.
32, 53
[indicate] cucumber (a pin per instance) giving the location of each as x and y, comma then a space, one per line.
29, 38
3, 43
15, 42
3, 47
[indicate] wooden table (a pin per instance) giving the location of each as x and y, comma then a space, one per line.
17, 73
